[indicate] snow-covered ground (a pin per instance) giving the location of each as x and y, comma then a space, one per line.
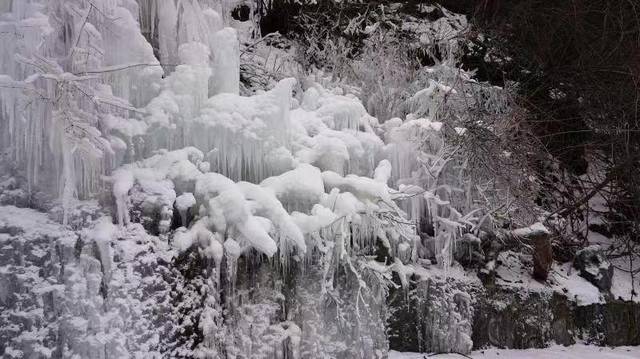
578, 351
563, 279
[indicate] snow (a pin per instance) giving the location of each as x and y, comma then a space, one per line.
182, 239
159, 177
319, 218
340, 112
624, 285
514, 272
32, 224
383, 171
364, 188
298, 189
268, 205
185, 201
531, 230
228, 207
344, 204
232, 248
577, 351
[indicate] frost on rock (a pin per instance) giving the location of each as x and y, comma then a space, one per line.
85, 291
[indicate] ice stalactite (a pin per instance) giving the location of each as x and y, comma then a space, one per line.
226, 63
66, 78
23, 130
191, 84
153, 183
122, 183
184, 203
68, 191
169, 24
341, 112
238, 132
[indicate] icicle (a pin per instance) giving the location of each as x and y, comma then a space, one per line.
184, 203
167, 18
233, 251
122, 183
226, 65
69, 183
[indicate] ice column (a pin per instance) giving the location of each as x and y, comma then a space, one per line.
226, 62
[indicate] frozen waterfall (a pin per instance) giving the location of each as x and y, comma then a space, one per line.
294, 207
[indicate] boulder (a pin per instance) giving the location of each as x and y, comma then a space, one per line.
594, 267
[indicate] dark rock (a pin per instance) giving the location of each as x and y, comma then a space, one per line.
510, 318
468, 251
539, 237
430, 312
614, 323
542, 257
241, 13
594, 267
514, 318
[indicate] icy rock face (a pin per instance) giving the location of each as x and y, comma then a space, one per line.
511, 318
515, 312
344, 329
11, 192
517, 318
259, 327
61, 295
434, 315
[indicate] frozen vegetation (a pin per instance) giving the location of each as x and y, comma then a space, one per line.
176, 212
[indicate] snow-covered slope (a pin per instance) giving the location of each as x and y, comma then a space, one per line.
577, 351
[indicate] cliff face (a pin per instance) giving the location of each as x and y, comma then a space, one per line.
80, 293
515, 314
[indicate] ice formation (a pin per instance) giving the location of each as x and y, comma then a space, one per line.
315, 189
